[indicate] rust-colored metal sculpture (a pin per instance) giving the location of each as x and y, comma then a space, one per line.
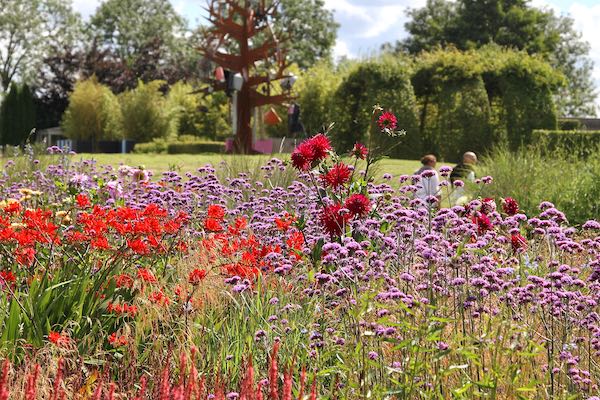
243, 27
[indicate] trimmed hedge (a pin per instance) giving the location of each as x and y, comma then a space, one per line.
196, 148
581, 143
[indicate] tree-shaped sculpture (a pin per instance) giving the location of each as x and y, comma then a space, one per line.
241, 41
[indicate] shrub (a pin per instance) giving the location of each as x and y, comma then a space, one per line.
154, 147
17, 115
385, 82
145, 112
93, 113
196, 147
581, 143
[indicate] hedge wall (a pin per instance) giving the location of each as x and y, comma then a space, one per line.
196, 148
582, 143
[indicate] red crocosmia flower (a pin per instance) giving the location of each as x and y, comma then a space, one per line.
359, 151
100, 242
483, 224
283, 224
158, 297
388, 121
518, 242
337, 176
83, 201
25, 256
333, 221
216, 211
138, 246
13, 207
124, 280
510, 206
196, 276
146, 275
117, 340
58, 339
212, 225
320, 145
7, 277
358, 204
303, 156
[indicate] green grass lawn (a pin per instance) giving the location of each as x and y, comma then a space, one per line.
190, 162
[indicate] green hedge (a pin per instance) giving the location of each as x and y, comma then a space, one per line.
196, 148
581, 143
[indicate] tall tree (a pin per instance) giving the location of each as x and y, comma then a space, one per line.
469, 24
29, 30
311, 29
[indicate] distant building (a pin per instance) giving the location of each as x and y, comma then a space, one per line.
583, 124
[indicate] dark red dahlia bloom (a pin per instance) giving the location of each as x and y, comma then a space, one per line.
518, 242
488, 205
387, 120
333, 221
359, 151
320, 145
510, 206
303, 156
483, 224
358, 205
337, 176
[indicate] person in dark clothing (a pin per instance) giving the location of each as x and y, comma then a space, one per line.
295, 126
465, 170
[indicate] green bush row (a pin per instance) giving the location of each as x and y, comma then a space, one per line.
579, 143
196, 148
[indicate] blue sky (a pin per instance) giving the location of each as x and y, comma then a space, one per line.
366, 24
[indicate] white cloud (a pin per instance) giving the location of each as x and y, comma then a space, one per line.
587, 20
341, 49
86, 7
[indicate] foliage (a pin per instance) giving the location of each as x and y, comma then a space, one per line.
533, 174
198, 147
386, 82
17, 115
29, 32
470, 24
582, 144
197, 114
145, 112
93, 113
311, 28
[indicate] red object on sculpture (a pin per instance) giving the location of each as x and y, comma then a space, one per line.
220, 74
271, 117
240, 21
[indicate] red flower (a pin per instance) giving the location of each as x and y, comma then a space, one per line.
146, 275
83, 201
518, 242
196, 276
303, 156
333, 221
158, 297
212, 225
359, 151
337, 176
6, 277
388, 121
58, 339
124, 280
320, 145
483, 224
510, 206
216, 211
358, 204
283, 224
117, 341
138, 246
25, 256
488, 205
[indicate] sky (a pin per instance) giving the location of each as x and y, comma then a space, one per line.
366, 24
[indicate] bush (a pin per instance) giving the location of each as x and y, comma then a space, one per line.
385, 82
93, 113
156, 146
581, 143
17, 115
145, 113
196, 148
530, 175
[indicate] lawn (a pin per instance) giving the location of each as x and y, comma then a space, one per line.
190, 162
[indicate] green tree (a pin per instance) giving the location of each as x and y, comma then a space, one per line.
127, 26
469, 24
17, 115
311, 28
93, 113
145, 113
29, 31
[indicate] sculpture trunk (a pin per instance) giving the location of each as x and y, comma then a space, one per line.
243, 138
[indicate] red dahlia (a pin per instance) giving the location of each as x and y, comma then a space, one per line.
359, 151
518, 242
333, 221
358, 204
337, 176
320, 145
388, 121
510, 206
303, 156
